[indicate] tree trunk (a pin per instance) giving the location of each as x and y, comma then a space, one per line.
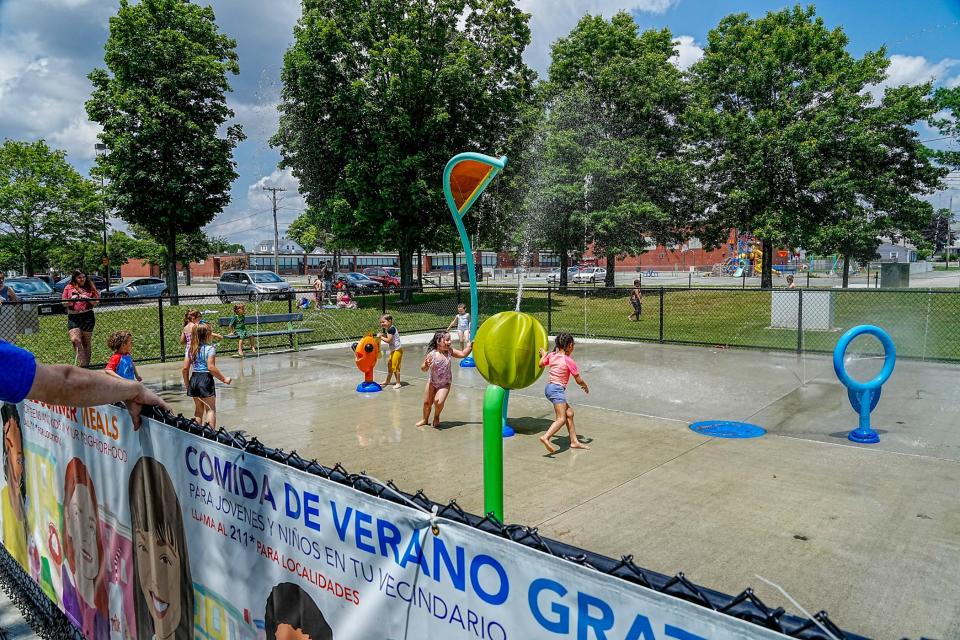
172, 285
406, 274
420, 269
564, 265
186, 273
846, 271
28, 259
766, 267
609, 280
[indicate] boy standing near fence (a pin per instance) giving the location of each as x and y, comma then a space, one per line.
636, 299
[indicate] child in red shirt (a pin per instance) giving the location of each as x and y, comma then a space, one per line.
121, 364
562, 366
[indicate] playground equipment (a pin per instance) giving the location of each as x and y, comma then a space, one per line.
506, 350
464, 179
367, 352
864, 396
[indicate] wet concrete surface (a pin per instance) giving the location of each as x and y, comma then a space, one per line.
870, 533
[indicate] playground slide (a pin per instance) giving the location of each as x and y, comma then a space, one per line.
738, 272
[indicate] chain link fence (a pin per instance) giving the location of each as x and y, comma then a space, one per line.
923, 323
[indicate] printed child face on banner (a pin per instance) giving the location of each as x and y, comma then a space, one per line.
161, 567
13, 459
291, 614
83, 529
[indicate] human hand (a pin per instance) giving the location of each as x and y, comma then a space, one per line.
227, 380
542, 352
139, 379
144, 397
585, 387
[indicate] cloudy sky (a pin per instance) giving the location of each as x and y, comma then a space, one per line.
47, 48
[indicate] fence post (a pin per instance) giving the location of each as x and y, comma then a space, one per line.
163, 346
290, 298
549, 309
661, 315
800, 322
808, 277
383, 301
744, 275
689, 280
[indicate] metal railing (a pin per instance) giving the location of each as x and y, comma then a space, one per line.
923, 323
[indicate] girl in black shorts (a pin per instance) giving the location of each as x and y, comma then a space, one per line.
80, 296
203, 369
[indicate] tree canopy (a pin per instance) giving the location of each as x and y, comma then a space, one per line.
792, 146
634, 178
44, 203
161, 102
378, 95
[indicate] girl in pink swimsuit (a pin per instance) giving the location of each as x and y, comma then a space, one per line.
439, 362
562, 367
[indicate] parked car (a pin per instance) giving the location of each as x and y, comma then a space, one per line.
137, 288
249, 284
381, 275
48, 279
590, 275
393, 272
358, 283
554, 275
35, 290
62, 283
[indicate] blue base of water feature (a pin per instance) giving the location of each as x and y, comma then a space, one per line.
508, 431
727, 429
468, 362
369, 387
864, 437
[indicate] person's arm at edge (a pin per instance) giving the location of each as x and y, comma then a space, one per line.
75, 387
462, 354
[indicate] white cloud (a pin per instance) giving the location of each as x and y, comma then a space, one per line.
77, 138
552, 19
913, 70
688, 52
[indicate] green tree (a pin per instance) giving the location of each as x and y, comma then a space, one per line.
43, 202
554, 208
634, 174
378, 95
790, 142
219, 244
161, 101
87, 254
947, 100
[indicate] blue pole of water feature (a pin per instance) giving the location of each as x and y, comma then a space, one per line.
496, 166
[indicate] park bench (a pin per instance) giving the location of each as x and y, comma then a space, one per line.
254, 324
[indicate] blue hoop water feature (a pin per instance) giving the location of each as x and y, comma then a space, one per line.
864, 396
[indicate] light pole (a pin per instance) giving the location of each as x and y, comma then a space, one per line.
100, 148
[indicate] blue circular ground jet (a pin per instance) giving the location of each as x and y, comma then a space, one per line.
864, 396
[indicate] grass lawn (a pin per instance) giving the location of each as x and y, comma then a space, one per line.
922, 324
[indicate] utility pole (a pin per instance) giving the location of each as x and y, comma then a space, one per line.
949, 230
105, 258
276, 234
